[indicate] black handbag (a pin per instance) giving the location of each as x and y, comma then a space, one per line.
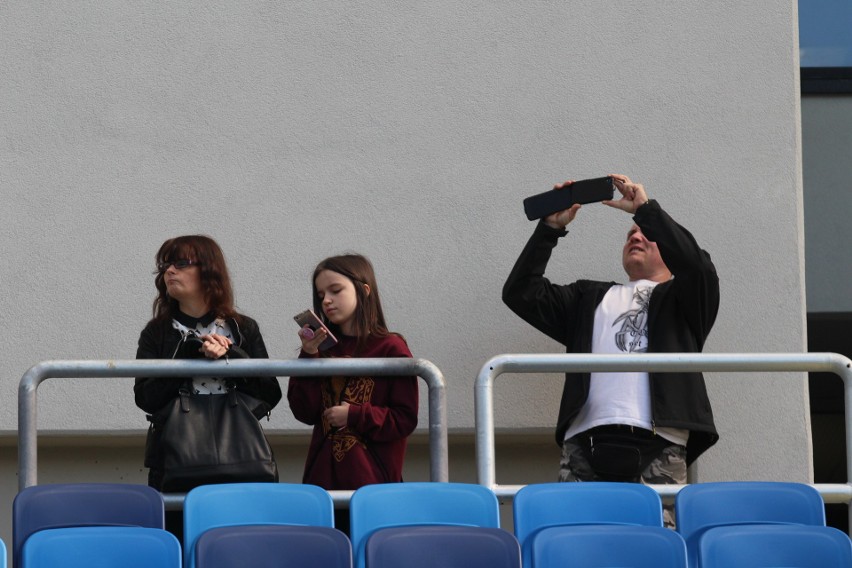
205, 439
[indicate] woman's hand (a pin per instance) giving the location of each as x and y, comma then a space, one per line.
337, 416
311, 340
214, 346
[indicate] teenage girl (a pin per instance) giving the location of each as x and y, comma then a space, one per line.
361, 424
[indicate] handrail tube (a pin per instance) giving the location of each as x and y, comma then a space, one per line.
174, 501
838, 493
650, 362
115, 368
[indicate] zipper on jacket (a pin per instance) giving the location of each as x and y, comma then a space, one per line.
239, 333
183, 338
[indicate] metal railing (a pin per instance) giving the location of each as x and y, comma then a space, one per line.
651, 362
28, 388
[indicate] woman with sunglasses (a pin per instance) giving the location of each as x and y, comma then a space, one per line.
194, 317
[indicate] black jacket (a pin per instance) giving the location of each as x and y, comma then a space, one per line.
680, 315
160, 340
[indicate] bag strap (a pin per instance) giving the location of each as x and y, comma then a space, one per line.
184, 394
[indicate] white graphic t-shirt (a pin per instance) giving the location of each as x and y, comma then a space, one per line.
621, 326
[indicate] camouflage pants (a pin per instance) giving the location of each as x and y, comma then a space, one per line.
668, 468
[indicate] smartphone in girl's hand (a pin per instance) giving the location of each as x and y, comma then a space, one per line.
309, 318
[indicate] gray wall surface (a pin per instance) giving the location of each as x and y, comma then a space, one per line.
409, 132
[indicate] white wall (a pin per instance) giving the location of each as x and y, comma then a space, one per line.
409, 132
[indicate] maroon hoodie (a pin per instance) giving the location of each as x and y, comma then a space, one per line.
382, 413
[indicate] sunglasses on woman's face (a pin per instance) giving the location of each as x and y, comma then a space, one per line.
179, 264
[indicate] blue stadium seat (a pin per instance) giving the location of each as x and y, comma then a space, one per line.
88, 547
702, 506
83, 504
584, 546
543, 505
421, 503
273, 546
444, 546
765, 546
211, 506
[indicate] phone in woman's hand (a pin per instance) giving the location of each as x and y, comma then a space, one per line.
309, 318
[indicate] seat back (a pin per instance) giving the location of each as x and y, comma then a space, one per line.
212, 506
421, 503
764, 546
83, 504
608, 545
273, 546
702, 506
543, 505
84, 547
445, 546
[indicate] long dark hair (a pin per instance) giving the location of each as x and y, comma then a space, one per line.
215, 280
369, 319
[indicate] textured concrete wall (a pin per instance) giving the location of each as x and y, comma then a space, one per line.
409, 132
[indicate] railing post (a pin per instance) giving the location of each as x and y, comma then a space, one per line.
28, 426
844, 369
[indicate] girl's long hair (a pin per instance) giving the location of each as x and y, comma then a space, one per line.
369, 319
215, 281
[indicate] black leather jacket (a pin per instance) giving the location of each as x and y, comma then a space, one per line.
160, 340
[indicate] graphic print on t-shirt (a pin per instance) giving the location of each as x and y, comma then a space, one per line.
633, 335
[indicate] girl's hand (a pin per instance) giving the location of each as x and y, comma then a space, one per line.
311, 340
337, 416
215, 346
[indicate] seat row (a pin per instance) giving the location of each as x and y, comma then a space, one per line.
451, 546
424, 524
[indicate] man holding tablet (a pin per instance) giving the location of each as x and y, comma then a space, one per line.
627, 426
